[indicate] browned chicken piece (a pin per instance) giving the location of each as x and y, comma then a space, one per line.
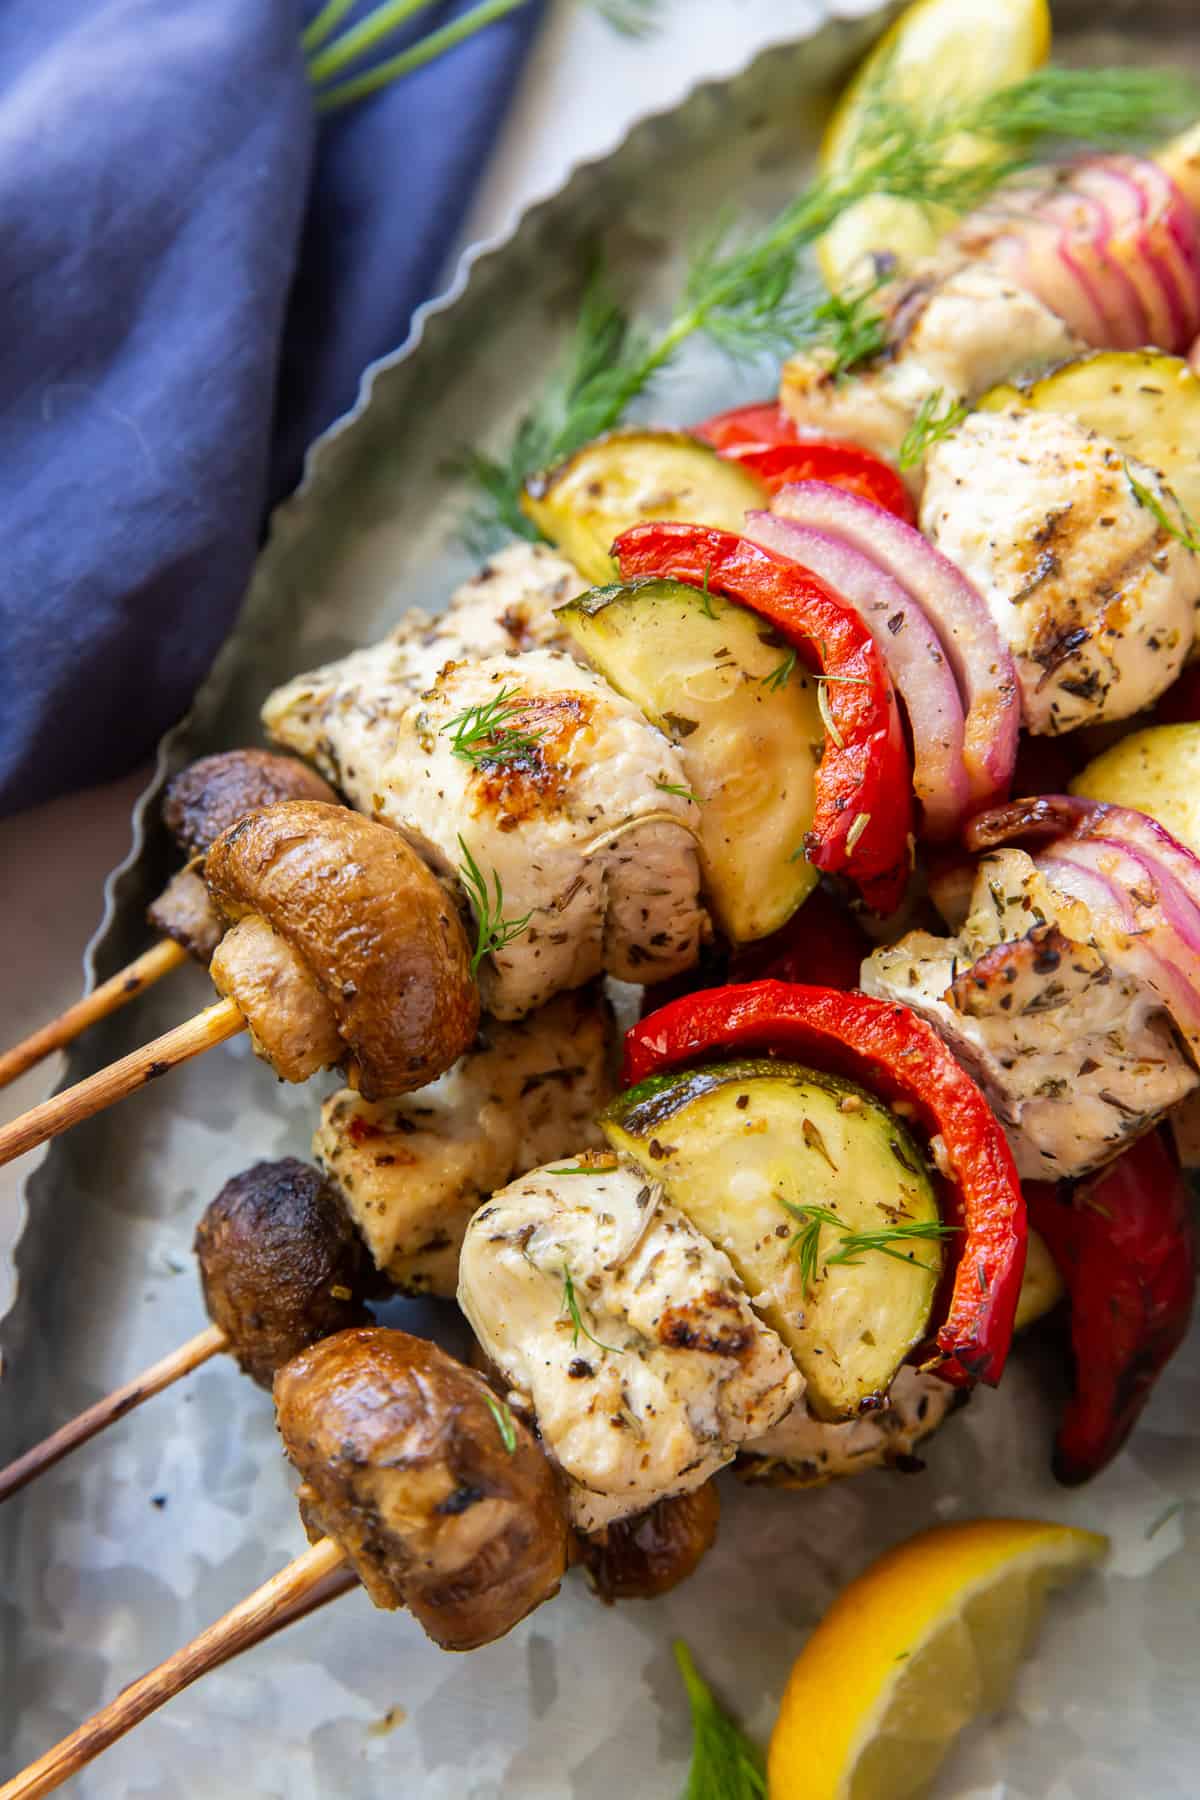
200, 803
802, 1451
440, 1497
639, 1558
280, 1264
411, 1172
343, 950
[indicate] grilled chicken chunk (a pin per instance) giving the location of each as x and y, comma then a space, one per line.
1096, 600
802, 1451
595, 858
505, 609
411, 1172
626, 1331
957, 330
1073, 1051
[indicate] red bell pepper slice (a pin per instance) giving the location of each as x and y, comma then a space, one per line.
764, 440
863, 788
901, 1058
747, 427
1125, 1245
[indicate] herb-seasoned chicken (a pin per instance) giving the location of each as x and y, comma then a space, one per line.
953, 332
802, 1451
626, 1331
358, 700
1095, 598
1073, 1051
411, 1172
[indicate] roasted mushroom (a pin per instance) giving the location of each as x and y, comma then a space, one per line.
280, 1264
343, 948
200, 803
441, 1498
639, 1558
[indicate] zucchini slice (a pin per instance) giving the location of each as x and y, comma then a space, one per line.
606, 487
1145, 402
745, 718
742, 1149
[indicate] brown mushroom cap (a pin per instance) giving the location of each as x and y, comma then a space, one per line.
281, 1264
372, 925
443, 1501
214, 792
637, 1558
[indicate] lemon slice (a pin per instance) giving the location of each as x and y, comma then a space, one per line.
938, 50
926, 1640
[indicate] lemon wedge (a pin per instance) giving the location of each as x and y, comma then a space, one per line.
937, 51
928, 1638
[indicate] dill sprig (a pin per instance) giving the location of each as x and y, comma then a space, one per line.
780, 675
676, 788
743, 293
483, 735
1184, 534
493, 930
505, 1423
813, 1219
850, 328
929, 427
570, 1307
725, 1764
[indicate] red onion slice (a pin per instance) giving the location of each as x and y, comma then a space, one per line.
978, 656
911, 649
1053, 816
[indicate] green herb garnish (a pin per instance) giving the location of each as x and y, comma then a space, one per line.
493, 931
680, 792
779, 677
505, 1423
1184, 534
705, 594
827, 718
848, 326
807, 1241
929, 427
725, 1764
743, 294
483, 735
570, 1306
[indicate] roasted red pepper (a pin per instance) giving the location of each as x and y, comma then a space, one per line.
764, 440
1124, 1243
901, 1058
863, 789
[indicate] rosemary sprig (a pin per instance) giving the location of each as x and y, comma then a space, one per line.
812, 1219
929, 427
780, 675
483, 735
1184, 534
493, 930
725, 1764
743, 295
505, 1423
570, 1306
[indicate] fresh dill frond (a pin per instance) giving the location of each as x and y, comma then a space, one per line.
1184, 534
505, 1423
850, 328
483, 735
854, 1244
780, 675
725, 1764
674, 787
570, 1307
744, 294
706, 605
493, 930
929, 427
632, 18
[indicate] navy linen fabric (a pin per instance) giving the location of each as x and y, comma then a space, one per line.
193, 278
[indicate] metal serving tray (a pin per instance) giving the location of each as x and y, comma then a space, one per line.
119, 1556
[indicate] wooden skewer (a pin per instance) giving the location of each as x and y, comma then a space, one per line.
114, 1406
74, 1104
108, 998
247, 1623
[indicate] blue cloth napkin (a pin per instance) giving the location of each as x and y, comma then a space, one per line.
194, 277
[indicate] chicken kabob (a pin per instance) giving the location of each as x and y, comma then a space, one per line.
643, 1353
288, 1254
200, 803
